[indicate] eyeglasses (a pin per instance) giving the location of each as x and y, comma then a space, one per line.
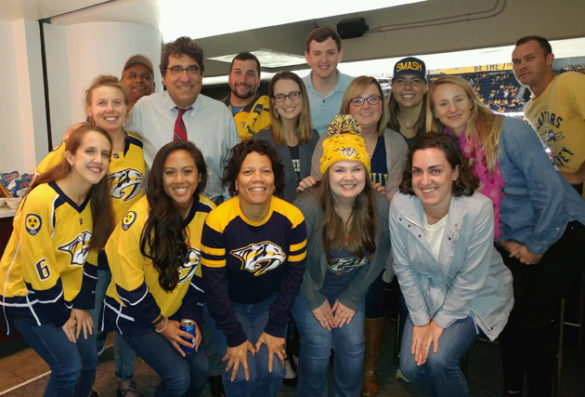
192, 70
293, 96
134, 76
372, 100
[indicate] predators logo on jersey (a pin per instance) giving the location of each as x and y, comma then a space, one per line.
78, 248
128, 220
126, 184
33, 224
342, 265
260, 258
190, 266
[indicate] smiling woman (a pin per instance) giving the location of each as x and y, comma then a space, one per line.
539, 223
106, 105
290, 132
363, 100
49, 265
154, 257
348, 245
253, 263
453, 280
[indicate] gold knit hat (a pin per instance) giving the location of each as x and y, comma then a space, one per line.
344, 143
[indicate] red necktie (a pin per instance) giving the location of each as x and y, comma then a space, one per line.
180, 129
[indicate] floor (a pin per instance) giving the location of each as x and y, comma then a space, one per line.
24, 374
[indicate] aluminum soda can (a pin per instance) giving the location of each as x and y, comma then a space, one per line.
189, 326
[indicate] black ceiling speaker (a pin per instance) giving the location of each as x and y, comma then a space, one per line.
353, 27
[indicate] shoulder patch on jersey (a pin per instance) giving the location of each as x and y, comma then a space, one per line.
33, 224
128, 220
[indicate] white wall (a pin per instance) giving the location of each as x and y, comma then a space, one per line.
91, 49
75, 55
10, 134
23, 126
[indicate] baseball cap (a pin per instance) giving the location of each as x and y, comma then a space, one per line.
410, 65
141, 59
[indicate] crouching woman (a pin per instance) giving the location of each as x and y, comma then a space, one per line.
453, 280
154, 256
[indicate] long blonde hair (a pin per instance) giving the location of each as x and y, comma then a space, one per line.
483, 125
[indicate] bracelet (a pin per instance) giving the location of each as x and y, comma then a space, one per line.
159, 331
158, 320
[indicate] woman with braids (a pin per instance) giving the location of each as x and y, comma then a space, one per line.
154, 256
47, 278
347, 248
453, 280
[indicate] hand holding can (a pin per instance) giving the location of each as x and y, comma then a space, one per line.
189, 326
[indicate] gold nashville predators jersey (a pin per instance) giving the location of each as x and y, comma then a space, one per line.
42, 269
253, 118
134, 297
127, 173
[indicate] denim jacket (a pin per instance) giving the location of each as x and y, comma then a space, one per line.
538, 202
468, 279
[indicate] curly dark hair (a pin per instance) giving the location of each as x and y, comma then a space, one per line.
465, 184
164, 235
182, 46
239, 153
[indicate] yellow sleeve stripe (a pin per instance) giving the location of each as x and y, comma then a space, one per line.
214, 251
213, 263
297, 258
298, 246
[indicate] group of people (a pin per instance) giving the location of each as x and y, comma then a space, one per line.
267, 216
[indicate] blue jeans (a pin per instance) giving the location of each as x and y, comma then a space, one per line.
124, 356
208, 332
72, 364
180, 376
441, 375
316, 345
262, 383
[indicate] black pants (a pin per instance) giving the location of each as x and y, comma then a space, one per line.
529, 340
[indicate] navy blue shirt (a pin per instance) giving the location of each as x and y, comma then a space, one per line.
379, 170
